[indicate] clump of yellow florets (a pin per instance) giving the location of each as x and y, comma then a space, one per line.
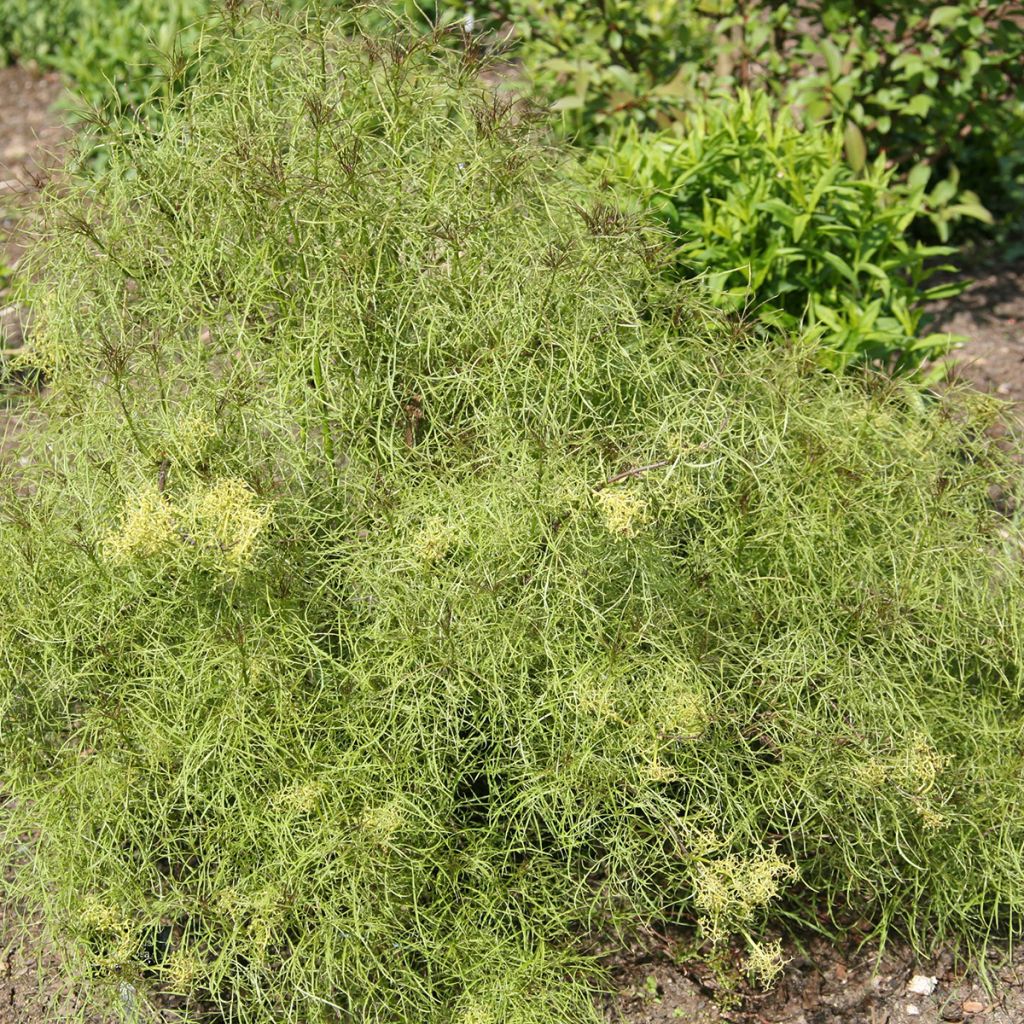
227, 519
765, 961
191, 437
182, 970
433, 540
730, 889
100, 916
302, 797
680, 707
383, 821
919, 765
870, 773
146, 528
476, 1013
624, 511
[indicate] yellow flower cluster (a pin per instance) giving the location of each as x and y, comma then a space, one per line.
919, 766
121, 944
147, 528
223, 520
730, 889
930, 818
765, 962
302, 797
100, 916
182, 969
624, 511
228, 518
383, 821
476, 1013
681, 712
871, 774
191, 437
914, 772
263, 908
596, 697
434, 540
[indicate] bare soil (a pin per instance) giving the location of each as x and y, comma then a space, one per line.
32, 134
822, 982
990, 313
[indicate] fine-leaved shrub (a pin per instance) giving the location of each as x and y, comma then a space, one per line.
771, 217
402, 586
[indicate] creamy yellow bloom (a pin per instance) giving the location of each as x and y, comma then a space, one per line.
765, 962
624, 511
227, 519
147, 528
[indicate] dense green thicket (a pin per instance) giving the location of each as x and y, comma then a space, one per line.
403, 585
938, 87
109, 48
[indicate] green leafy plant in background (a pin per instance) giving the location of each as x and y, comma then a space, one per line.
772, 219
924, 84
113, 50
605, 64
404, 586
933, 85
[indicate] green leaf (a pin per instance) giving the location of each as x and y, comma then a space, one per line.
945, 15
943, 192
855, 146
800, 223
833, 58
974, 210
920, 105
569, 103
919, 176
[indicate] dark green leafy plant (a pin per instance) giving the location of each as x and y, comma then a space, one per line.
109, 48
771, 217
935, 85
619, 61
403, 586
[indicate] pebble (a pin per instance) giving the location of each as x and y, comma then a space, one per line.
922, 985
912, 1010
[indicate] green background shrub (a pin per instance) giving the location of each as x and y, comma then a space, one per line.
107, 47
772, 219
939, 85
405, 585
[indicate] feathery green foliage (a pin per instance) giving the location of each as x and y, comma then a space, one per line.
404, 586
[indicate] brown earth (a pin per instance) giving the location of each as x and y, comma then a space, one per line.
990, 313
31, 137
822, 982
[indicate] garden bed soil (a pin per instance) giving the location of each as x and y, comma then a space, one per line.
32, 135
990, 314
822, 982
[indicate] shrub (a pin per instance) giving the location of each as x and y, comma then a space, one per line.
403, 586
936, 86
110, 48
771, 217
